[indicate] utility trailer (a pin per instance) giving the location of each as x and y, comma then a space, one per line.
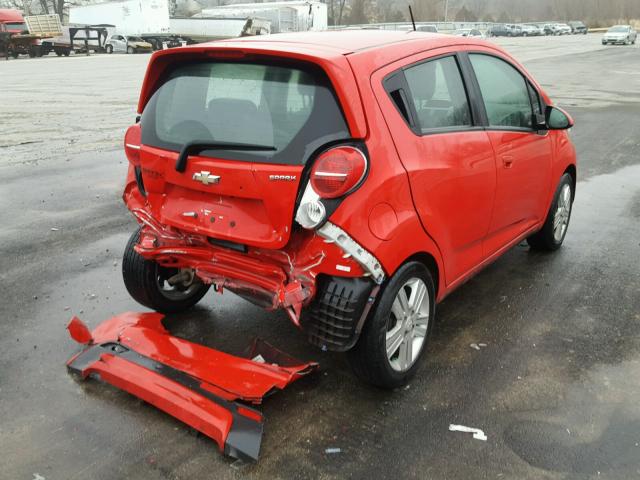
78, 39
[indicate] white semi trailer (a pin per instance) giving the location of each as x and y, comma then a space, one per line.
200, 29
130, 17
294, 16
150, 20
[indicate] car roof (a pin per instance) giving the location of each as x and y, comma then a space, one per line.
346, 42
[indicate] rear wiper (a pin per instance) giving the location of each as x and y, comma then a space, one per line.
198, 146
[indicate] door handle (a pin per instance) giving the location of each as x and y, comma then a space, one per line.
507, 161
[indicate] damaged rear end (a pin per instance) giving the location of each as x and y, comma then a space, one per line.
237, 163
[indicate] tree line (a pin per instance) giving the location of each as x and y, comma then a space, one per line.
594, 12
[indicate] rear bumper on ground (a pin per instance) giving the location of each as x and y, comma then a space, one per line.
200, 386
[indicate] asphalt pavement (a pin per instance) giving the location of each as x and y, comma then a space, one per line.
556, 389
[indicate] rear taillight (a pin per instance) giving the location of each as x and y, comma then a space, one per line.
338, 171
335, 173
132, 144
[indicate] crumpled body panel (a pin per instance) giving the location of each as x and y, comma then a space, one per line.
200, 386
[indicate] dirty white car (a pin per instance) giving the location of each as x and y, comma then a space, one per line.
620, 34
127, 44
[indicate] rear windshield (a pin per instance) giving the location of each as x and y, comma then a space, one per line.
291, 108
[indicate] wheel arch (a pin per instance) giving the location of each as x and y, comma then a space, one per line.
571, 170
430, 262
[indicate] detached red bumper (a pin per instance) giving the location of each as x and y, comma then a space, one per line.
200, 386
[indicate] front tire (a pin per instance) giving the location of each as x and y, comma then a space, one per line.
130, 50
395, 337
148, 283
109, 49
552, 234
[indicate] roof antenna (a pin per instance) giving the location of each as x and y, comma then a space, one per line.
412, 20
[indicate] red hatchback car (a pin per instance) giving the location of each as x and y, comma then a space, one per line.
352, 178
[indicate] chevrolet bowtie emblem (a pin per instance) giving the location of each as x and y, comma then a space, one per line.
206, 178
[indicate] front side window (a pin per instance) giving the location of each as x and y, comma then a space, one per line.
504, 91
293, 110
438, 94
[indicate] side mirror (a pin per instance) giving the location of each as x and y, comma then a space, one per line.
558, 119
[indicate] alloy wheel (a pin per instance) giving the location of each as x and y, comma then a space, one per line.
407, 325
563, 211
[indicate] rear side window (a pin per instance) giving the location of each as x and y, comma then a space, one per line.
438, 94
289, 108
505, 92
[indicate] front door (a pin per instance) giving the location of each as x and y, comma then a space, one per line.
523, 155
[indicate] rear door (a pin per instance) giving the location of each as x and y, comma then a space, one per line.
523, 155
447, 154
286, 111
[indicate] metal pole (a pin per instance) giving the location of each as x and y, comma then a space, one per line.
446, 9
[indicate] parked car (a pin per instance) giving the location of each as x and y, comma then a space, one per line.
516, 30
427, 28
549, 29
127, 44
578, 27
351, 178
468, 32
620, 34
499, 31
561, 29
529, 30
539, 30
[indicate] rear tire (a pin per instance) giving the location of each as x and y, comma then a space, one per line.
385, 354
552, 234
109, 48
146, 282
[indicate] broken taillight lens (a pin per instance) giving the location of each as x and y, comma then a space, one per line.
338, 171
132, 142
